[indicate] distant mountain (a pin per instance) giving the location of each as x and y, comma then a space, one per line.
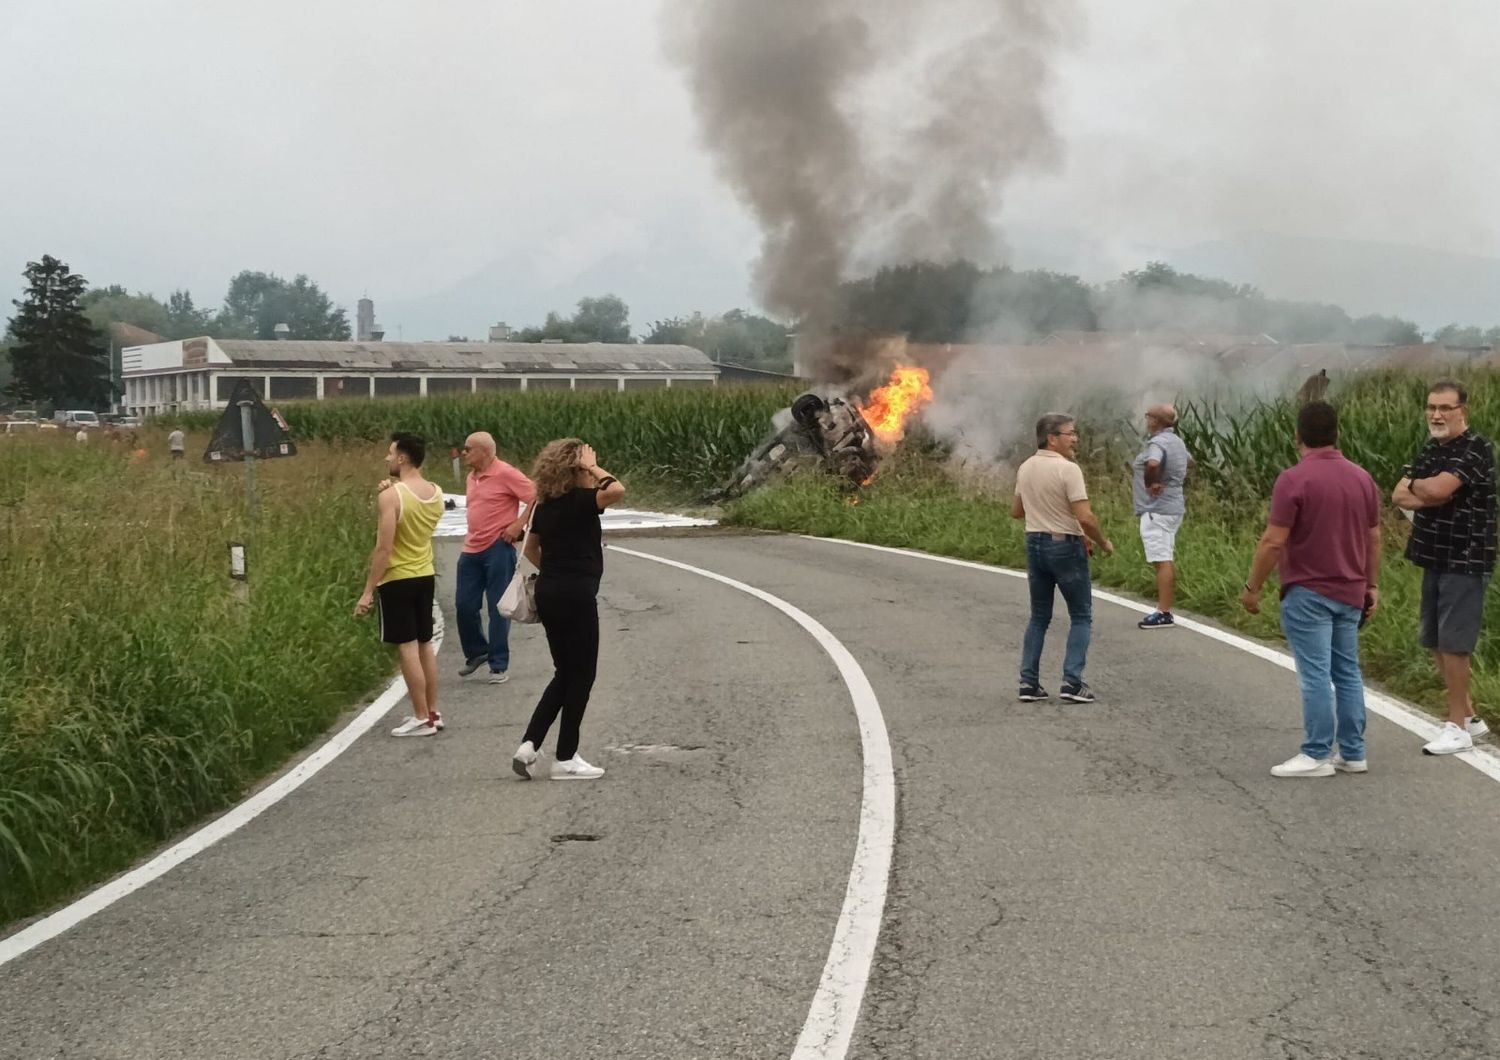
1431, 287
656, 281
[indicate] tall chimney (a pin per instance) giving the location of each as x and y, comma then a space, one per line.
364, 321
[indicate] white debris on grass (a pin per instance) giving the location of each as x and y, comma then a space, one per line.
454, 522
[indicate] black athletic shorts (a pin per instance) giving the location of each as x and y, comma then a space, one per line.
406, 609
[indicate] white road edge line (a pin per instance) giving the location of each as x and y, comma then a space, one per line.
1391, 709
829, 1027
49, 927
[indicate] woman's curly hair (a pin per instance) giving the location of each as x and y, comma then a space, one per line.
555, 468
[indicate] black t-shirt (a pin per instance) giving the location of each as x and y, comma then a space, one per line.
568, 528
1458, 536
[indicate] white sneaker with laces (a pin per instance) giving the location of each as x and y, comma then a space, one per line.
1450, 741
1349, 765
1300, 765
1476, 727
415, 726
524, 758
575, 768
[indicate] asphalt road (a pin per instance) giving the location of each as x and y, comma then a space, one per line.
1116, 880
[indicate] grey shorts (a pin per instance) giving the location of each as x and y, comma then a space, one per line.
1452, 610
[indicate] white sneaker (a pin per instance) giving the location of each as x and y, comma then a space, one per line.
1450, 741
1346, 765
437, 722
1476, 727
575, 768
524, 758
415, 727
499, 677
1300, 765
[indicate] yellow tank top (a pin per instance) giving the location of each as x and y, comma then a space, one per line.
412, 555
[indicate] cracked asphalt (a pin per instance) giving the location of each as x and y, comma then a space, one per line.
1116, 880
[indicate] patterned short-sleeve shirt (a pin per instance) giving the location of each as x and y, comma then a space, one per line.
1458, 536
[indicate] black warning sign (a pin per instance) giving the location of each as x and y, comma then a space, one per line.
269, 435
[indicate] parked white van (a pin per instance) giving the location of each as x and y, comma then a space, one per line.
77, 418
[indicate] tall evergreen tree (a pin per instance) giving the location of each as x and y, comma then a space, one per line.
57, 355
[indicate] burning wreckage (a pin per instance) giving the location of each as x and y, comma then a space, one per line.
846, 437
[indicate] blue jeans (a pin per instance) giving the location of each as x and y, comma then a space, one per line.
1062, 565
1324, 635
482, 579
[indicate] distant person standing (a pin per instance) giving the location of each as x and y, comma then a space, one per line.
82, 437
1159, 472
1052, 498
1324, 535
494, 492
402, 577
1450, 491
566, 544
177, 443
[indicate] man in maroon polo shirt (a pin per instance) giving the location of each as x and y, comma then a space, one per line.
495, 492
1324, 535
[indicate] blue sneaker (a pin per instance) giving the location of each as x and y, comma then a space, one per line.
1157, 620
1033, 694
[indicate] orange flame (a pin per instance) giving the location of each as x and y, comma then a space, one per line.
892, 405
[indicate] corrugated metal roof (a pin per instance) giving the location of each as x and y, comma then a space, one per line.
465, 356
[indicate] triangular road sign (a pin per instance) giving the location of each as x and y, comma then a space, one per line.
272, 438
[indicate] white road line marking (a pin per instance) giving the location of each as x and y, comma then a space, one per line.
1410, 718
829, 1027
49, 927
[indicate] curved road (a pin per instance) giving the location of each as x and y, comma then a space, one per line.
1118, 880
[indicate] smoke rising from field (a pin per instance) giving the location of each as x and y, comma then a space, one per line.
863, 132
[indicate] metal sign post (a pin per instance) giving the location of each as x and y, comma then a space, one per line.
247, 427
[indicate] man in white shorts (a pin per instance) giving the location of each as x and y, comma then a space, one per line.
1156, 489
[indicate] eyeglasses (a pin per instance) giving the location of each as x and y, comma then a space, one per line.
1067, 434
1444, 409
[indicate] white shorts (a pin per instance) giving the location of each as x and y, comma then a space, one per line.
1159, 535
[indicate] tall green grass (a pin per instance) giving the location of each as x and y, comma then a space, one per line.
917, 505
137, 690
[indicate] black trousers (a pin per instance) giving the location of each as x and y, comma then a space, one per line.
569, 610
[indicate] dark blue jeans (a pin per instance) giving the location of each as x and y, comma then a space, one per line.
482, 578
1061, 565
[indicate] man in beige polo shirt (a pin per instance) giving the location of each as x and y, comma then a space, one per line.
1052, 498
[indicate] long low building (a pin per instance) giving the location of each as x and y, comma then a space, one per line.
201, 373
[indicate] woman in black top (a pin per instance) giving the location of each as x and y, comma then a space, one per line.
565, 543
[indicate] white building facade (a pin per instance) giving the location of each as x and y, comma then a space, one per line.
201, 373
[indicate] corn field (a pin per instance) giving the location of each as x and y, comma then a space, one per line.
691, 436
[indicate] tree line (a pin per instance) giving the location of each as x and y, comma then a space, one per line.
56, 348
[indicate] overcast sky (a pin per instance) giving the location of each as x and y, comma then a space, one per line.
400, 148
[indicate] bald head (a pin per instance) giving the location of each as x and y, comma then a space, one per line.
1160, 417
479, 450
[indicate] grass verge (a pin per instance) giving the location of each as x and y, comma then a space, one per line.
915, 505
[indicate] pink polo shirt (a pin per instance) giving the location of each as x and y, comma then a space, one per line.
1330, 504
495, 496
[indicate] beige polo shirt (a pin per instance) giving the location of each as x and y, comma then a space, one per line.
1048, 484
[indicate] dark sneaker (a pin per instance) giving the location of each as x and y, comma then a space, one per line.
1079, 693
1157, 620
471, 665
1033, 694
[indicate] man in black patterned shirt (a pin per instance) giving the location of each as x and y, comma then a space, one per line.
1450, 491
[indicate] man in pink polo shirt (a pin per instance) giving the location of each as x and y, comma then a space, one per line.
495, 493
1324, 535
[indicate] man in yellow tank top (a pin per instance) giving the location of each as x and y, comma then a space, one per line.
402, 577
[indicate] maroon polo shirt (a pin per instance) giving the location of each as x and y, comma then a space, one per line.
1329, 504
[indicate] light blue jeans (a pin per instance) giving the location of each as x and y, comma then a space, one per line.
1324, 635
1062, 566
